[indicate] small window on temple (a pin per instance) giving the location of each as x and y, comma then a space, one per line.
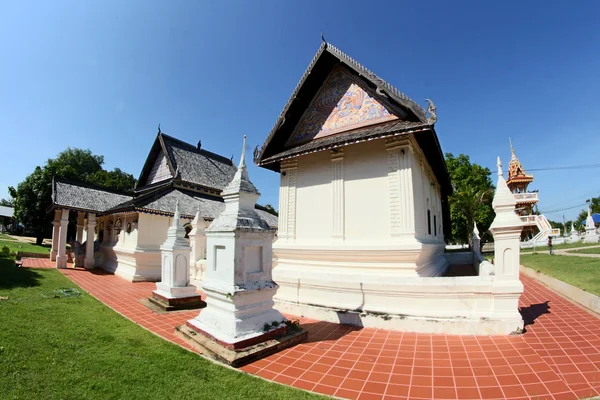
435, 225
429, 221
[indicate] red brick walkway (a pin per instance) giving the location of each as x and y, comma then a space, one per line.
557, 358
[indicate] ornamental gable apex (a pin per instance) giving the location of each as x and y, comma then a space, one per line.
342, 104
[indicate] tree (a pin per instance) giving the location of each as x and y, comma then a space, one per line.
471, 201
271, 209
594, 205
32, 197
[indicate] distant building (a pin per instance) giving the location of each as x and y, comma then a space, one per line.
7, 221
129, 229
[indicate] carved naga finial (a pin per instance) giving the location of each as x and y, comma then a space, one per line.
256, 154
431, 110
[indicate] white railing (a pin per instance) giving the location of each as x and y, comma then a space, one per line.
542, 223
526, 196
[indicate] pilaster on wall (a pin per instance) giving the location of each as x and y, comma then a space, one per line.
287, 200
337, 185
400, 187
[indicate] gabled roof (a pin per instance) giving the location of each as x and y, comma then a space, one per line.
162, 201
188, 163
412, 119
327, 58
83, 197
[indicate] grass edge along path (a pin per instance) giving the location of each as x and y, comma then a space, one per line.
593, 250
73, 348
581, 272
15, 246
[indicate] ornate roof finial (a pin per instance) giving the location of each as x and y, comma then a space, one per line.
512, 151
431, 109
323, 37
499, 164
159, 129
243, 157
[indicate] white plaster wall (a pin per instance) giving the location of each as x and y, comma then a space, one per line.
366, 186
313, 198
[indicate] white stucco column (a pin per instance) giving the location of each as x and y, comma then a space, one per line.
238, 285
80, 226
197, 239
400, 188
287, 200
61, 256
175, 269
337, 186
590, 228
55, 229
89, 245
506, 228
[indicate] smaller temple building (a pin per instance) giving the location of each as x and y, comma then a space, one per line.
123, 233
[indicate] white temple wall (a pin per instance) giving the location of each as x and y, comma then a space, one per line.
313, 215
365, 177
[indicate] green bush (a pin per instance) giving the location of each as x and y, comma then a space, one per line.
5, 252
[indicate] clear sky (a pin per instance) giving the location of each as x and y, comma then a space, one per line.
103, 74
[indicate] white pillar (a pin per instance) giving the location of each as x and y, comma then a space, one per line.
238, 285
80, 226
287, 200
55, 228
175, 269
506, 228
337, 185
400, 188
61, 257
89, 245
197, 241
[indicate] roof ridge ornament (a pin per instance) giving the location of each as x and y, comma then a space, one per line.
431, 110
159, 132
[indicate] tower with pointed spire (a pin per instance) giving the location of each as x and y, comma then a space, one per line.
174, 291
238, 282
517, 182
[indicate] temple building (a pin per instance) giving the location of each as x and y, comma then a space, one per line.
363, 194
126, 230
537, 227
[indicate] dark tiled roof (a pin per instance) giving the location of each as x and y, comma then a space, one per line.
344, 139
199, 166
84, 197
163, 201
190, 164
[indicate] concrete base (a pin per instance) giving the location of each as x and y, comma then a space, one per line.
174, 304
510, 325
269, 343
61, 261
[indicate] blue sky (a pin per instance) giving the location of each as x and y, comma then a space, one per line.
103, 74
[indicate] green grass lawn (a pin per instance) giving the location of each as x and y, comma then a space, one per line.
559, 247
4, 236
15, 246
77, 348
581, 272
594, 250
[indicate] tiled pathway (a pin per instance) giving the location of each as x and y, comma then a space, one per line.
557, 358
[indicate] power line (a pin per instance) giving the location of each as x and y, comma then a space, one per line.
568, 167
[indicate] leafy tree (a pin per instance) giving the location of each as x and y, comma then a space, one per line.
594, 205
471, 201
271, 209
32, 197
